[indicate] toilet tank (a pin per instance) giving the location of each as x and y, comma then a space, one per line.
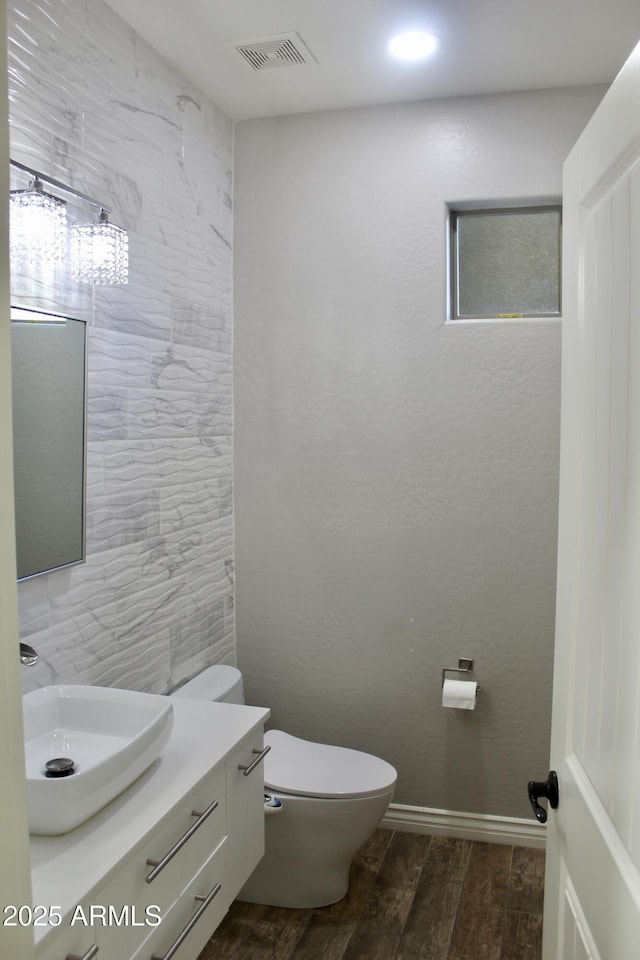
219, 682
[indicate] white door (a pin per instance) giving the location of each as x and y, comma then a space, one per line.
592, 899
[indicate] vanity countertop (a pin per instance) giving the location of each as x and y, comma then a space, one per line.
66, 869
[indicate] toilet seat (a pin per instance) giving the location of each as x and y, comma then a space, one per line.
309, 769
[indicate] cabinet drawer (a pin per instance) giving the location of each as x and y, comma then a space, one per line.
65, 940
214, 829
128, 883
180, 922
136, 902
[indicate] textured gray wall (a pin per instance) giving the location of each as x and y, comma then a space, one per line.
396, 476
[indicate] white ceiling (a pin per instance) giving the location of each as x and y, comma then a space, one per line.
487, 46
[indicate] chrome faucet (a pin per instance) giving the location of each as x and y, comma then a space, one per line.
28, 656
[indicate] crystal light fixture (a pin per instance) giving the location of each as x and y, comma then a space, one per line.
38, 224
99, 252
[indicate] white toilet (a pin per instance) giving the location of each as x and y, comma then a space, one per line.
322, 802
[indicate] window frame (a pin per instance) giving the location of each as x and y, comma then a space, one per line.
455, 212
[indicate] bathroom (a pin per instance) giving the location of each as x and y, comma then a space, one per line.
390, 501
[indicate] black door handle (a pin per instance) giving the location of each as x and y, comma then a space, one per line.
544, 788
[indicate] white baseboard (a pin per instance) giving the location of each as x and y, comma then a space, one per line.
465, 826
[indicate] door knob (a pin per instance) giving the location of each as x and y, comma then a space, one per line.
544, 788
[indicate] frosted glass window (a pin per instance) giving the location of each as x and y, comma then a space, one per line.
506, 262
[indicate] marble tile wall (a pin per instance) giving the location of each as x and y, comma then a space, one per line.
95, 107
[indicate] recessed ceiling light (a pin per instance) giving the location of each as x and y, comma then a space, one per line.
413, 46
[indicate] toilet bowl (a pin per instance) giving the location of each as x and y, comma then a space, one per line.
323, 802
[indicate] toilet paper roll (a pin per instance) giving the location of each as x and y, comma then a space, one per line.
460, 694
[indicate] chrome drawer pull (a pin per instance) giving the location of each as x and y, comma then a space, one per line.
89, 955
159, 865
262, 754
189, 927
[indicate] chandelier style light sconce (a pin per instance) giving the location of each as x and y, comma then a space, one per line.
99, 252
40, 232
38, 224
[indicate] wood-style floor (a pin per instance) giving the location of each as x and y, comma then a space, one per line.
412, 897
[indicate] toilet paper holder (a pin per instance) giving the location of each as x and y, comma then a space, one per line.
465, 665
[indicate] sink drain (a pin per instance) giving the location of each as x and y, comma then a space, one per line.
59, 767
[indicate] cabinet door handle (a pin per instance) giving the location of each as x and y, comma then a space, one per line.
261, 755
159, 865
177, 943
89, 955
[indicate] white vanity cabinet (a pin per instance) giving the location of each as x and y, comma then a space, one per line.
154, 873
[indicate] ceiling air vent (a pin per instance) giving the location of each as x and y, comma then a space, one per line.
285, 50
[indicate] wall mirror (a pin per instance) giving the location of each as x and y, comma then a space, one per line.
49, 439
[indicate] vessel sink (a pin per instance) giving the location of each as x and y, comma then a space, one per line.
101, 738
